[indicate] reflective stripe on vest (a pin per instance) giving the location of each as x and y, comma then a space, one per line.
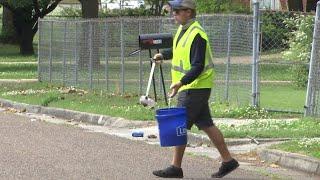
180, 68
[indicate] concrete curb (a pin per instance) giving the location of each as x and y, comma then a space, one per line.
291, 160
90, 118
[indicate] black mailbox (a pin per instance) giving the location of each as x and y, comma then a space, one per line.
155, 41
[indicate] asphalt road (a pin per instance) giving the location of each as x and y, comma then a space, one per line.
40, 150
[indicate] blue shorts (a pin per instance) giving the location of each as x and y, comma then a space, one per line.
196, 103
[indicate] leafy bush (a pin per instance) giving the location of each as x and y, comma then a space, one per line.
274, 30
299, 74
300, 44
70, 12
221, 6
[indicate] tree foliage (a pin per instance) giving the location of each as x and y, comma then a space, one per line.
221, 6
156, 6
300, 44
300, 40
25, 17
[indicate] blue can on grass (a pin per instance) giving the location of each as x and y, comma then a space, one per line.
172, 126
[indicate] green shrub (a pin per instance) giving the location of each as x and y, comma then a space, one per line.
70, 12
221, 6
274, 30
300, 44
300, 75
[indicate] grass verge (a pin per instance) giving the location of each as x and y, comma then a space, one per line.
302, 128
307, 146
98, 102
272, 128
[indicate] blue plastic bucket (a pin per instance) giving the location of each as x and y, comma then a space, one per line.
172, 124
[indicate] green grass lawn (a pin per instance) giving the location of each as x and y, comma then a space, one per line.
285, 97
275, 72
18, 71
10, 53
15, 66
302, 128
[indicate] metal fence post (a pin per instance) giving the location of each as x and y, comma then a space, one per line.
106, 54
258, 60
122, 56
309, 106
90, 53
255, 54
50, 52
39, 41
64, 53
140, 64
76, 53
202, 20
161, 87
228, 62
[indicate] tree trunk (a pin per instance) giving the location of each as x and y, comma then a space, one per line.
8, 32
26, 40
304, 5
25, 33
284, 5
90, 39
90, 8
294, 5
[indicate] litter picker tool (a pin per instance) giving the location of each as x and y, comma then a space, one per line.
148, 42
146, 100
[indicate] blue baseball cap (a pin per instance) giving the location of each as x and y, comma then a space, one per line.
182, 4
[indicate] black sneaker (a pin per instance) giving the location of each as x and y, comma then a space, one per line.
169, 172
226, 168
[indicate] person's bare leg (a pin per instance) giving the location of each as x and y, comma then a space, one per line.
217, 138
178, 155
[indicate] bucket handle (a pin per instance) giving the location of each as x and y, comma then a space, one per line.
169, 101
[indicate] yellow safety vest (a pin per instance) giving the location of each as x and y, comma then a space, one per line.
181, 58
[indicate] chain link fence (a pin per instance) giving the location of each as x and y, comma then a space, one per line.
94, 54
278, 88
